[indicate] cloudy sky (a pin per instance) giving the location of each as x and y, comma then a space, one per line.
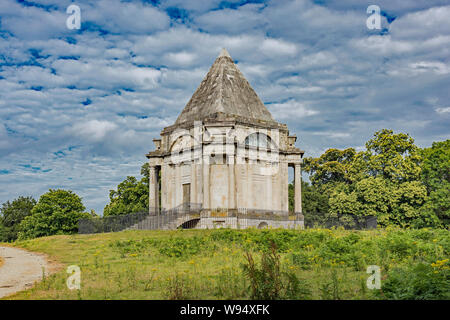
79, 108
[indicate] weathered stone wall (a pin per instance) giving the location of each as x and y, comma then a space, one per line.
204, 154
235, 223
247, 179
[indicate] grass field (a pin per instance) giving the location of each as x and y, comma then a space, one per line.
209, 264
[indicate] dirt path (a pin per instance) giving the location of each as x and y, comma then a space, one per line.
20, 270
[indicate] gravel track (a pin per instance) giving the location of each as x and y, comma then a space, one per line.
21, 269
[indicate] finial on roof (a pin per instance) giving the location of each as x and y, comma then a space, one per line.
224, 53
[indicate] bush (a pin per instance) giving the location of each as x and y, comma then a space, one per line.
269, 282
182, 247
12, 214
419, 282
301, 259
178, 288
57, 212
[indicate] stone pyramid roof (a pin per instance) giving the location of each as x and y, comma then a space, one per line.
224, 91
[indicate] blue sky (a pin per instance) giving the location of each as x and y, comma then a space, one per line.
79, 108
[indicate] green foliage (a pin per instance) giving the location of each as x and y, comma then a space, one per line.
333, 262
269, 281
393, 180
231, 284
331, 167
12, 214
436, 178
56, 212
331, 289
175, 247
131, 195
178, 288
392, 203
392, 156
182, 247
126, 247
418, 282
314, 199
259, 239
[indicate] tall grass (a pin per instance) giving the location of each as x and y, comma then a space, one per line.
243, 264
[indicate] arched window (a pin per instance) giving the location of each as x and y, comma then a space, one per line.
258, 139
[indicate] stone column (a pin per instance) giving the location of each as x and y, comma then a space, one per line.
206, 185
249, 191
269, 196
153, 190
178, 185
231, 183
284, 185
193, 182
298, 188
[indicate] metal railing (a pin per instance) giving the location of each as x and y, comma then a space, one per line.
347, 221
192, 215
110, 223
145, 220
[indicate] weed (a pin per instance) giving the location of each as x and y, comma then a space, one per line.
269, 282
177, 288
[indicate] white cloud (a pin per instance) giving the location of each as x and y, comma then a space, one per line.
433, 66
93, 130
272, 47
86, 104
292, 110
422, 24
443, 110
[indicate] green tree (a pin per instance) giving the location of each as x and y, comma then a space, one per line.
392, 203
384, 180
11, 214
334, 166
436, 178
56, 212
131, 195
313, 200
387, 184
393, 156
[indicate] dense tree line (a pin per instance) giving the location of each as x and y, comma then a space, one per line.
392, 179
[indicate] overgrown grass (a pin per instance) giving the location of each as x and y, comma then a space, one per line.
215, 264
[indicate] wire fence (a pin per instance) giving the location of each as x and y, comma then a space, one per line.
347, 221
145, 220
191, 215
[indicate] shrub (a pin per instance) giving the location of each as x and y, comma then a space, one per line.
57, 212
177, 288
331, 290
181, 247
419, 282
231, 284
301, 259
269, 281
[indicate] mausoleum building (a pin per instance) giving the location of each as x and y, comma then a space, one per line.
225, 151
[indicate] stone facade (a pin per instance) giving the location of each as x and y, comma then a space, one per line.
225, 151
